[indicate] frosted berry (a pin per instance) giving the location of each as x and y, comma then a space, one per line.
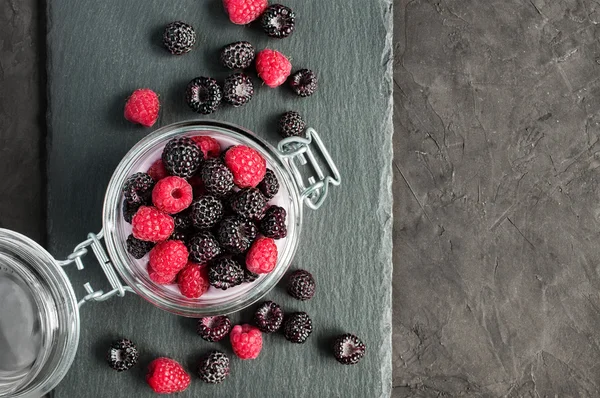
246, 341
262, 256
172, 195
167, 376
151, 224
247, 166
142, 107
273, 67
168, 257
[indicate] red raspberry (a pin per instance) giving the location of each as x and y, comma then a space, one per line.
168, 257
246, 341
193, 280
166, 376
160, 278
208, 145
262, 256
246, 165
273, 67
151, 224
242, 12
172, 195
142, 107
157, 171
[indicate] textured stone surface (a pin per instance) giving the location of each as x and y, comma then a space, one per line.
496, 188
22, 118
99, 52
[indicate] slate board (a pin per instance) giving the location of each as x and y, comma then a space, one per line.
98, 52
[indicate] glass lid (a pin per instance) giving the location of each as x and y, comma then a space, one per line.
39, 319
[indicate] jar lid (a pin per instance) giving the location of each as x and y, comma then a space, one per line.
39, 318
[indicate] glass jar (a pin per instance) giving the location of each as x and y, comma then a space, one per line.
39, 312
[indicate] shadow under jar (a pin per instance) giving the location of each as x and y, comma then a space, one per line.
39, 311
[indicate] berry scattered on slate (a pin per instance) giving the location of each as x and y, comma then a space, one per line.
167, 376
273, 67
297, 327
179, 37
278, 21
122, 355
142, 107
203, 95
238, 89
304, 82
238, 55
301, 285
291, 124
213, 328
268, 317
348, 349
213, 367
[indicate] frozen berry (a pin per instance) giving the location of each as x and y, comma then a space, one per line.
291, 124
122, 355
167, 376
206, 211
297, 327
142, 107
183, 220
249, 277
214, 367
348, 349
208, 145
247, 166
273, 67
269, 186
262, 256
217, 178
238, 89
213, 328
172, 195
278, 21
242, 12
238, 55
179, 37
301, 285
246, 341
138, 248
157, 171
225, 273
304, 82
182, 157
138, 189
203, 247
272, 224
168, 257
203, 95
161, 278
129, 210
248, 203
268, 317
151, 224
236, 234
193, 280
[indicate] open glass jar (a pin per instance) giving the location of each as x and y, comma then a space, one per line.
39, 311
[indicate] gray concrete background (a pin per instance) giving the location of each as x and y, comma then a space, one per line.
496, 149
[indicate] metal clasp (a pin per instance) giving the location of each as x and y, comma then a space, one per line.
81, 250
296, 150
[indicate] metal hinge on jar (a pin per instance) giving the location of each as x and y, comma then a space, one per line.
81, 250
299, 151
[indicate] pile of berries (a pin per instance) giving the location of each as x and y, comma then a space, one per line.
201, 217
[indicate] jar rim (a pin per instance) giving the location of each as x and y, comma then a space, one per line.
141, 284
58, 310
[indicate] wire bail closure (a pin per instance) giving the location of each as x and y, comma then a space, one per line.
296, 150
81, 250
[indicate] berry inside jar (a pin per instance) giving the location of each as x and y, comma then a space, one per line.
204, 217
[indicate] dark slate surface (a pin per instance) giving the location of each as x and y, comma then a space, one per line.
496, 188
99, 52
22, 118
